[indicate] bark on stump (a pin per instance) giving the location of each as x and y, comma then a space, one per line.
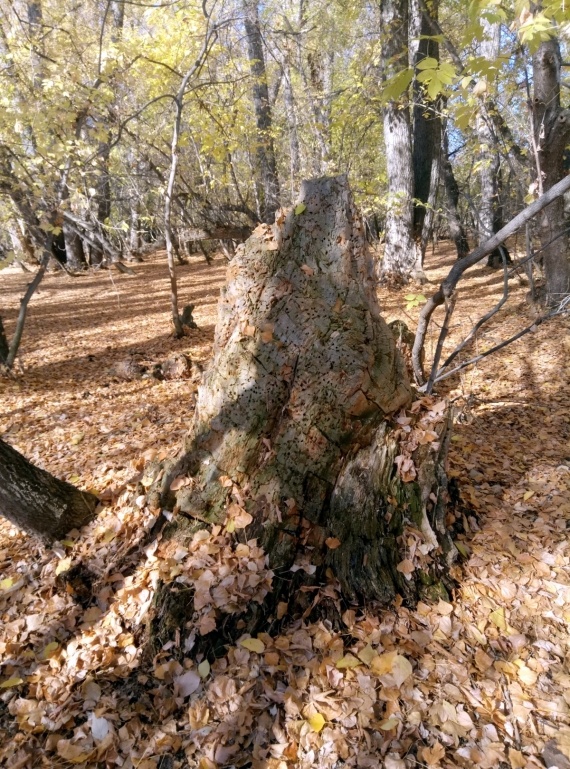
295, 409
37, 502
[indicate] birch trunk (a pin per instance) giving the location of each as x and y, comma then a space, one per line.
399, 262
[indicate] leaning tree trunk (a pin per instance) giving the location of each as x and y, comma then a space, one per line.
295, 409
37, 502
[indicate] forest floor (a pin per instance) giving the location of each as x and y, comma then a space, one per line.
482, 680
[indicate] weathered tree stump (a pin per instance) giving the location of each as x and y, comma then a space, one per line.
296, 408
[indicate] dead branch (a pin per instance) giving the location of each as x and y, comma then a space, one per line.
461, 265
435, 374
562, 308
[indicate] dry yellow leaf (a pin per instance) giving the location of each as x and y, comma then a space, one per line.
383, 663
253, 645
367, 654
50, 649
497, 617
389, 723
64, 564
14, 681
432, 756
204, 669
527, 676
348, 661
316, 722
394, 665
518, 761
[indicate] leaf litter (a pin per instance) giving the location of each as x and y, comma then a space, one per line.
480, 680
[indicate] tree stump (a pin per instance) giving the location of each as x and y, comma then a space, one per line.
296, 410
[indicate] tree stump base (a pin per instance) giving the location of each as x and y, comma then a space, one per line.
305, 427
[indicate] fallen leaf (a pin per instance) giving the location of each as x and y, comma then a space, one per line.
432, 756
253, 645
187, 683
348, 661
389, 723
204, 669
64, 564
14, 681
316, 722
99, 728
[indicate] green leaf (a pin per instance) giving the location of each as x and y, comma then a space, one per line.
396, 86
300, 208
435, 88
428, 63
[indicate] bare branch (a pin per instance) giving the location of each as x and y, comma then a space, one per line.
480, 322
461, 265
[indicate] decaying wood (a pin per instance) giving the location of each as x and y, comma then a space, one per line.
295, 408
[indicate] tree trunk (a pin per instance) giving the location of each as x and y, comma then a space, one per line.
268, 188
290, 112
4, 346
489, 212
295, 409
456, 229
37, 502
21, 242
426, 133
552, 132
74, 249
399, 260
321, 69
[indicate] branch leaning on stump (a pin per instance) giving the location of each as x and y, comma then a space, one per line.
447, 287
